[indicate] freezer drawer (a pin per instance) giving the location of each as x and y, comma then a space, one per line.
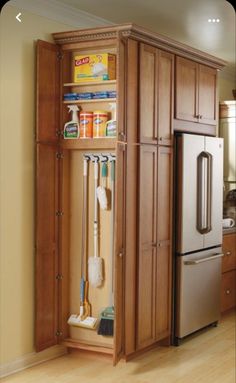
198, 291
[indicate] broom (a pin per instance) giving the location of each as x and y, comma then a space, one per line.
107, 315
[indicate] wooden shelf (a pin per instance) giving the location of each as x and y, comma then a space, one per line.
89, 143
73, 343
86, 83
93, 100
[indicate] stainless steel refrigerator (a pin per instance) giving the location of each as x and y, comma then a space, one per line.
199, 205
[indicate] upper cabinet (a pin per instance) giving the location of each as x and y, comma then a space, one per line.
156, 95
195, 93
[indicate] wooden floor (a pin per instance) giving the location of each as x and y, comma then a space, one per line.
208, 357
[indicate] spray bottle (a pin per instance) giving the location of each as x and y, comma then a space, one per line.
111, 124
71, 128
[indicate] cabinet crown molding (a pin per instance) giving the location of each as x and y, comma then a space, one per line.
135, 32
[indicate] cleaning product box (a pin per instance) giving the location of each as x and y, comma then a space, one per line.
95, 67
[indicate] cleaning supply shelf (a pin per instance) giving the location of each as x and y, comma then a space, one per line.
89, 143
86, 83
92, 100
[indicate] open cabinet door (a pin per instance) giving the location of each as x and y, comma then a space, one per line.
47, 201
48, 92
119, 254
46, 299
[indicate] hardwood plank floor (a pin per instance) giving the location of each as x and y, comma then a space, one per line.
208, 357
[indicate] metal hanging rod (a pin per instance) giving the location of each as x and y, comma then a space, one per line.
100, 157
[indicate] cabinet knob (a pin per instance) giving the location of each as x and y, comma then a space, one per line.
200, 116
228, 253
228, 292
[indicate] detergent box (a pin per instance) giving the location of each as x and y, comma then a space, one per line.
94, 67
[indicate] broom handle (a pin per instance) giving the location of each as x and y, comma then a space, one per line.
95, 209
112, 232
84, 220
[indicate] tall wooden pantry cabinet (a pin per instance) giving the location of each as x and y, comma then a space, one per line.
148, 110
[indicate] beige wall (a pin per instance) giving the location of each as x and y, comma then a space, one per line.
17, 178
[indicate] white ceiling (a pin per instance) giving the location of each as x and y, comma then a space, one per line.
183, 20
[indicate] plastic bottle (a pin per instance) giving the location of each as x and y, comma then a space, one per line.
111, 124
71, 128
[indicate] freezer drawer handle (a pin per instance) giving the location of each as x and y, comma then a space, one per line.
204, 259
204, 192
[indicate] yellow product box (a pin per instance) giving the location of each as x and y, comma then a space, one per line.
96, 67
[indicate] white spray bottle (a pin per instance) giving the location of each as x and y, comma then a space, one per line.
111, 124
71, 128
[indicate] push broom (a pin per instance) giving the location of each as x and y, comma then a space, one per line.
107, 315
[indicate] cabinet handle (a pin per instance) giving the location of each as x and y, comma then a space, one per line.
200, 116
228, 292
228, 253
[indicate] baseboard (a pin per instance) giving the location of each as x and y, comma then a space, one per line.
31, 359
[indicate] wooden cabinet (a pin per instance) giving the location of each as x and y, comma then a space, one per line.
155, 235
156, 95
142, 248
228, 285
195, 95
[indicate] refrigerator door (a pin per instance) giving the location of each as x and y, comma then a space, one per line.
214, 146
199, 192
198, 291
188, 149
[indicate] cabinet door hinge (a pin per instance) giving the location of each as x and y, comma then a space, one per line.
59, 155
58, 333
59, 276
59, 55
59, 213
122, 136
59, 133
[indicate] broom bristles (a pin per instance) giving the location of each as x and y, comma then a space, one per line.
106, 327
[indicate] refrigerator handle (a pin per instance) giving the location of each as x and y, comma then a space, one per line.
204, 192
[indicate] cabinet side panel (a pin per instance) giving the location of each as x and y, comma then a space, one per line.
164, 239
131, 198
48, 88
46, 320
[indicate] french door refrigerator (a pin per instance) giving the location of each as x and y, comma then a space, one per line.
199, 204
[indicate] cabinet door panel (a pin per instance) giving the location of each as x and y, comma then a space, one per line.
48, 88
207, 95
165, 97
228, 290
186, 106
147, 94
147, 249
229, 250
46, 319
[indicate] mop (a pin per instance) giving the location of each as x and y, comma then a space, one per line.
84, 319
95, 263
107, 315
